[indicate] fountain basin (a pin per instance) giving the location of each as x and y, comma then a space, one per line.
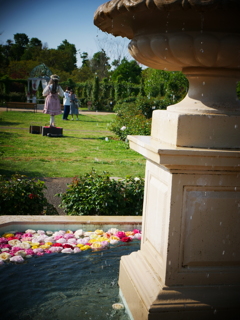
64, 286
55, 223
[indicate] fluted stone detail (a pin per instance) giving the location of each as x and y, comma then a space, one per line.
176, 51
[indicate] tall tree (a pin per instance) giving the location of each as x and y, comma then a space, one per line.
99, 64
35, 42
69, 64
32, 50
18, 48
85, 60
21, 39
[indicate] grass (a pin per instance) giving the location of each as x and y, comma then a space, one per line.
82, 147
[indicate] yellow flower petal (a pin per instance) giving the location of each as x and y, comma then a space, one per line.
35, 244
85, 248
44, 246
114, 238
99, 232
129, 233
8, 235
96, 245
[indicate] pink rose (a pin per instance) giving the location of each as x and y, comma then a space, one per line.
120, 234
12, 238
56, 249
5, 246
136, 231
15, 249
17, 259
29, 252
72, 241
18, 232
68, 236
105, 243
38, 250
58, 237
83, 241
18, 236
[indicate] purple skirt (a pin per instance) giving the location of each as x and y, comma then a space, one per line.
52, 105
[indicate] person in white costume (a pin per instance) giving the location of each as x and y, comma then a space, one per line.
52, 104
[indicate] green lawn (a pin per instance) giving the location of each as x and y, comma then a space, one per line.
82, 147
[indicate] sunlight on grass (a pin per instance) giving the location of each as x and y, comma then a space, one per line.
82, 147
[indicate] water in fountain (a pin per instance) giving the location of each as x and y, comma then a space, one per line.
64, 287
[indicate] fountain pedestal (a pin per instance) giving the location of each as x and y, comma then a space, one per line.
188, 266
189, 262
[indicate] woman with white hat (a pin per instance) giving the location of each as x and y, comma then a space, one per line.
52, 104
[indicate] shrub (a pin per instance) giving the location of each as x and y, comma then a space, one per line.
94, 194
13, 96
22, 196
135, 125
133, 118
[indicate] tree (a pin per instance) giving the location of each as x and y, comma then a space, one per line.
53, 58
128, 71
17, 49
21, 39
95, 92
20, 69
82, 74
85, 60
172, 85
99, 64
69, 64
35, 42
32, 50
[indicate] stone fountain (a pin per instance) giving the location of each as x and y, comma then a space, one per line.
188, 266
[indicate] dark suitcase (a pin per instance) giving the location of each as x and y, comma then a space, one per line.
35, 129
52, 131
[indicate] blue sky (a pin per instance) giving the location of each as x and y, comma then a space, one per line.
53, 21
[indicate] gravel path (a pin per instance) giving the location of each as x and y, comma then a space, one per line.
54, 186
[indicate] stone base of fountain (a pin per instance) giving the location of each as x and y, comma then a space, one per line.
153, 301
188, 266
196, 130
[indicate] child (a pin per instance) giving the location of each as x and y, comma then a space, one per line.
73, 105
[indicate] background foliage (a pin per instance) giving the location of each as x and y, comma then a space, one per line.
100, 86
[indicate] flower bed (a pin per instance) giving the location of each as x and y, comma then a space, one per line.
16, 246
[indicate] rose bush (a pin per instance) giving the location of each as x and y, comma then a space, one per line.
94, 194
22, 196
